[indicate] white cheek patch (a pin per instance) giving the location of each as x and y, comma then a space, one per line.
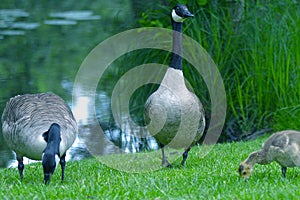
176, 17
57, 159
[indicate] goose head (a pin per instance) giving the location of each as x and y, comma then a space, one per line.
49, 162
180, 13
51, 156
245, 170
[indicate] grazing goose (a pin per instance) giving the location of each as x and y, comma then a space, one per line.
39, 127
282, 147
172, 107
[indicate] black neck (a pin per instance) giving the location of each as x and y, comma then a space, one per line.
176, 59
53, 139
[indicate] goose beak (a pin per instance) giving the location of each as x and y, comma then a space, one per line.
245, 170
47, 178
188, 14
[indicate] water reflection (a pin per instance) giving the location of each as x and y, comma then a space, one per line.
60, 22
99, 131
10, 24
11, 14
11, 32
12, 20
25, 25
91, 133
81, 15
71, 17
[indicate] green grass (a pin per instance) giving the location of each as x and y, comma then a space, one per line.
211, 177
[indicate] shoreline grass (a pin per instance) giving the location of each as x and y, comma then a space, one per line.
258, 59
211, 177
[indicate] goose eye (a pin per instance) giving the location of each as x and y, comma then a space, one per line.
244, 173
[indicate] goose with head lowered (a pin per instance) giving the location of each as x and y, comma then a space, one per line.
282, 147
39, 127
174, 115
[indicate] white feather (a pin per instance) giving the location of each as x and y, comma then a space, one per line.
176, 17
57, 159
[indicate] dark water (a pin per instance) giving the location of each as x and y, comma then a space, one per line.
42, 46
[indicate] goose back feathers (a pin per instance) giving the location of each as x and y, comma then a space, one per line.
27, 117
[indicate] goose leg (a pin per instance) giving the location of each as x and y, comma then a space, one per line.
63, 165
185, 155
20, 165
165, 161
283, 169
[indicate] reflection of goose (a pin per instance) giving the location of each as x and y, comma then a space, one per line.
282, 147
173, 108
39, 127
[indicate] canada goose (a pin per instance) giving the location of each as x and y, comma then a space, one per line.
282, 147
39, 127
172, 107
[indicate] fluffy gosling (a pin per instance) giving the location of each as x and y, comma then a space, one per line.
282, 147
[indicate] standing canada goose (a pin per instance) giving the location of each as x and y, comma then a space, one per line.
173, 109
282, 147
39, 127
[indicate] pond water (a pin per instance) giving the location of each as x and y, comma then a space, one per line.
42, 46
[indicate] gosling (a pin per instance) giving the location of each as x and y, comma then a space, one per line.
282, 147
